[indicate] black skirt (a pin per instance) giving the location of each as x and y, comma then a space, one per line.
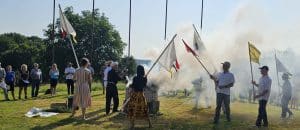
53, 82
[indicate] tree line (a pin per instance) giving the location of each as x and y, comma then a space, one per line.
17, 49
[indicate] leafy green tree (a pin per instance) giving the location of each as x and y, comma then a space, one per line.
16, 49
128, 64
107, 43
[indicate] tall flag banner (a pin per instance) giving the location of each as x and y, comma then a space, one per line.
198, 43
188, 48
280, 66
66, 27
168, 59
254, 53
200, 48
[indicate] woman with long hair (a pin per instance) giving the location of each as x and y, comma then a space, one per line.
137, 105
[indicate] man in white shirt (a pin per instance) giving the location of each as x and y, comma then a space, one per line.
264, 89
105, 73
69, 72
224, 81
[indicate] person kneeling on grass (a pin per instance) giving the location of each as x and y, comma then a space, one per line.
137, 105
82, 95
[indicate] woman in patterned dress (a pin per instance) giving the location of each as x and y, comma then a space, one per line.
137, 105
82, 96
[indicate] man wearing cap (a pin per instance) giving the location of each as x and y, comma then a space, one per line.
224, 81
111, 90
286, 96
2, 83
264, 89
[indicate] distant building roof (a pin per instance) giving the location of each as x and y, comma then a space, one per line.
143, 62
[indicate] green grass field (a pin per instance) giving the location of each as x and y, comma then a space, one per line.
178, 113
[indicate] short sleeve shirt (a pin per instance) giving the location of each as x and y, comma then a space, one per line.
265, 83
223, 80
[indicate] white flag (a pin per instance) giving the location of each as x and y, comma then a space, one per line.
65, 26
168, 59
198, 43
200, 48
280, 66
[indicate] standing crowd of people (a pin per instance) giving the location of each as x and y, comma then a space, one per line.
137, 105
9, 79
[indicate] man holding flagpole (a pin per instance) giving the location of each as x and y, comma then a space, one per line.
264, 89
224, 81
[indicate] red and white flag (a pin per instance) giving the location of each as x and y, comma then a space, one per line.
168, 60
188, 48
65, 26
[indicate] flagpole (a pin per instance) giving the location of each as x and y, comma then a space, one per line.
161, 54
201, 14
202, 65
166, 16
129, 29
93, 26
251, 69
52, 35
74, 52
277, 73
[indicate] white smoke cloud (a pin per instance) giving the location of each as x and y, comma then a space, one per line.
248, 22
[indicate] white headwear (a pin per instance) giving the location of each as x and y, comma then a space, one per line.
114, 64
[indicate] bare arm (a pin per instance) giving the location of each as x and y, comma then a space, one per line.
90, 78
254, 83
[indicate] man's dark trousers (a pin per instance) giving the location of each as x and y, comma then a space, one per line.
222, 98
112, 93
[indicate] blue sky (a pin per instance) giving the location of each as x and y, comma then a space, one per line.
30, 17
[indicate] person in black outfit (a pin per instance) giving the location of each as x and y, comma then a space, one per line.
137, 105
111, 90
23, 83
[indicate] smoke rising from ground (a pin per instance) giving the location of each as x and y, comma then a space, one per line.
248, 22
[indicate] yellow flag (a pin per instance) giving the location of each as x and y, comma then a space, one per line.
254, 53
